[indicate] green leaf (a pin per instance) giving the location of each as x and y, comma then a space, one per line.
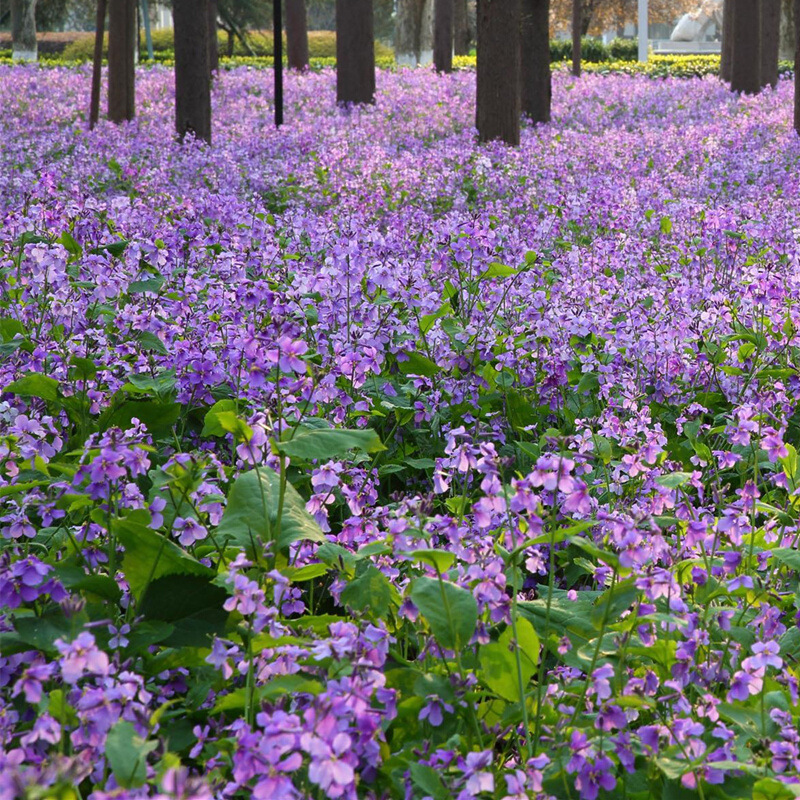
74, 578
149, 556
426, 779
127, 753
450, 610
497, 270
324, 444
152, 285
417, 364
499, 662
156, 416
440, 560
82, 368
665, 225
70, 245
149, 341
191, 603
276, 687
147, 384
212, 425
369, 590
770, 789
252, 513
673, 480
35, 385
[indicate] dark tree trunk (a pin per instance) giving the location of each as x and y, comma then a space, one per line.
443, 35
213, 44
796, 9
297, 34
770, 41
746, 65
192, 81
786, 36
355, 52
535, 60
726, 54
97, 63
498, 71
460, 28
121, 60
23, 30
576, 36
277, 60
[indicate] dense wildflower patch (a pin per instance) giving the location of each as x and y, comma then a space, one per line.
356, 460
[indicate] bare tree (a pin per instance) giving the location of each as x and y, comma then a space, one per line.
443, 35
192, 77
297, 34
498, 71
770, 41
23, 30
726, 50
121, 60
461, 37
535, 59
213, 44
746, 62
577, 32
355, 52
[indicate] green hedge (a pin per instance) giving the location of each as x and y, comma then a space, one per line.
321, 44
595, 51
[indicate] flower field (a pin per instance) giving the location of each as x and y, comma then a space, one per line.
356, 460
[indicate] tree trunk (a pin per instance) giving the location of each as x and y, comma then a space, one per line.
796, 10
297, 34
192, 81
23, 30
576, 37
121, 60
408, 21
726, 49
786, 46
498, 71
97, 63
443, 35
770, 40
535, 60
460, 28
355, 52
746, 64
213, 44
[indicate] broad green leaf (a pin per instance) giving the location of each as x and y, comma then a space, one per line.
771, 789
418, 364
450, 610
497, 270
156, 416
440, 560
35, 385
149, 341
152, 285
499, 662
276, 687
149, 556
212, 425
252, 513
127, 753
69, 243
147, 384
665, 225
673, 480
324, 444
369, 590
426, 779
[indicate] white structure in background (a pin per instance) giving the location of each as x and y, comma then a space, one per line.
160, 15
694, 26
643, 28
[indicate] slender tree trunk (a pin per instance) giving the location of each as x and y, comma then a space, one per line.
406, 32
426, 33
443, 35
535, 60
297, 34
277, 59
796, 10
746, 66
97, 63
770, 41
498, 71
355, 52
726, 54
192, 77
576, 37
121, 60
213, 44
786, 47
460, 28
23, 30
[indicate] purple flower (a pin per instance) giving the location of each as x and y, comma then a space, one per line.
330, 768
432, 710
